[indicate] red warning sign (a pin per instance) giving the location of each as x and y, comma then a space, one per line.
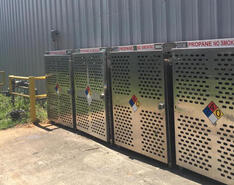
211, 43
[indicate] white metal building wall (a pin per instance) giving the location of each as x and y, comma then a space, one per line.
25, 26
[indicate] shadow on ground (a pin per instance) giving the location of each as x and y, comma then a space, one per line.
182, 172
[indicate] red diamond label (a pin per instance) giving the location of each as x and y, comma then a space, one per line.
134, 98
212, 106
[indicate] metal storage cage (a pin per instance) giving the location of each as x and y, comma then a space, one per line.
59, 87
138, 95
203, 74
92, 92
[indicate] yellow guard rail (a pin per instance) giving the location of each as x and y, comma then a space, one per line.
32, 93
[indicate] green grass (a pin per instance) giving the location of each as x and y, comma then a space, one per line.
20, 104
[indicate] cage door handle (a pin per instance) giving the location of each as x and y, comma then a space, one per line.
69, 91
161, 106
102, 96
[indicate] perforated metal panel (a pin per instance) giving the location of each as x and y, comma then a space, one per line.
139, 77
59, 89
90, 73
202, 76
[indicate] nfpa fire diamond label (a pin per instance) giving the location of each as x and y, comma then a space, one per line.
134, 103
213, 113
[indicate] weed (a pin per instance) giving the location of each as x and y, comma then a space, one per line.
6, 107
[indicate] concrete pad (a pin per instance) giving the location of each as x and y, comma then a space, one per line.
33, 155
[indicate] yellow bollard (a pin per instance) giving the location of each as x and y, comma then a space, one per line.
32, 98
10, 84
32, 93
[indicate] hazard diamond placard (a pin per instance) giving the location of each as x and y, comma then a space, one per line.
134, 103
213, 112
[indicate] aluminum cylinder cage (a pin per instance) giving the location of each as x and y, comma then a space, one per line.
139, 84
204, 108
172, 102
92, 92
59, 87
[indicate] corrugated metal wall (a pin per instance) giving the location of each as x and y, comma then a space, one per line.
25, 26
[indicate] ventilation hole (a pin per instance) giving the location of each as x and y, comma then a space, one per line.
225, 151
120, 73
80, 72
192, 80
98, 123
82, 113
65, 110
95, 72
52, 106
194, 142
224, 74
150, 70
153, 133
123, 125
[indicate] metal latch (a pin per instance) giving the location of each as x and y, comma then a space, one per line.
69, 91
102, 96
161, 106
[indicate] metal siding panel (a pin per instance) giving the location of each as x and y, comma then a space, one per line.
159, 17
226, 22
59, 23
65, 17
114, 23
147, 22
28, 40
13, 39
37, 42
64, 27
83, 23
44, 22
174, 25
189, 20
53, 15
70, 23
97, 23
135, 22
25, 26
105, 23
3, 61
208, 27
32, 51
5, 31
49, 22
124, 22
77, 30
22, 34
90, 23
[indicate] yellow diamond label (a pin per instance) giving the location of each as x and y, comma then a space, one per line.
218, 113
